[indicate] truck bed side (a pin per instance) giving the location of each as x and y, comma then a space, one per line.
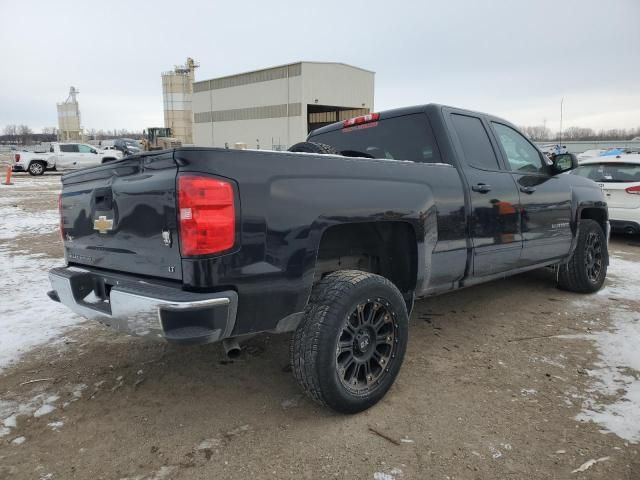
291, 202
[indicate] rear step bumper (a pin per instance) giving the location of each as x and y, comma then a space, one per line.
144, 309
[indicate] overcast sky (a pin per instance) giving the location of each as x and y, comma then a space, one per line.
515, 59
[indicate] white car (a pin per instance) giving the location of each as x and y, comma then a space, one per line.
63, 156
619, 178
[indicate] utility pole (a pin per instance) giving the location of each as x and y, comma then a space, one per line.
561, 102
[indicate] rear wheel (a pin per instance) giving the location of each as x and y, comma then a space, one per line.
348, 349
36, 168
313, 147
587, 269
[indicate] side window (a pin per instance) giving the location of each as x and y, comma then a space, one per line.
522, 156
476, 145
84, 148
69, 148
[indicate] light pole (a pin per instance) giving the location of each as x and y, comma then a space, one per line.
561, 102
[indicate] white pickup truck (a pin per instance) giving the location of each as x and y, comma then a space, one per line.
63, 156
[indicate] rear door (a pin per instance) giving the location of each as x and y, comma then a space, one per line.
122, 217
545, 198
68, 156
495, 213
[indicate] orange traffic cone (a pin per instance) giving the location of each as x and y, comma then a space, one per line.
7, 180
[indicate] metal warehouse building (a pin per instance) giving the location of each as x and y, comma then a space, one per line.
276, 107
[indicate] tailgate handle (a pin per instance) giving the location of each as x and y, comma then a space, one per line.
103, 198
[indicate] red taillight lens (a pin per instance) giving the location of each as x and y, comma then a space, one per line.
634, 190
17, 157
61, 217
372, 117
207, 215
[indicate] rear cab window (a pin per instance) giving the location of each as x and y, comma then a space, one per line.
610, 172
407, 137
69, 148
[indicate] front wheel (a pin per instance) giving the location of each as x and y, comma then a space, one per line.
348, 349
587, 269
36, 168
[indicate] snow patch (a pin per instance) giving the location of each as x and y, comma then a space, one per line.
16, 222
617, 375
37, 406
29, 317
44, 410
617, 372
55, 426
18, 441
625, 282
393, 474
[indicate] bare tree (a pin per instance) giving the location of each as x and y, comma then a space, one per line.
578, 133
24, 132
11, 130
537, 133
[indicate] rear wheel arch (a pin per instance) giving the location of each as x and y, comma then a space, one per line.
385, 248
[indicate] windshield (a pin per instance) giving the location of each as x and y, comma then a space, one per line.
408, 137
610, 172
131, 143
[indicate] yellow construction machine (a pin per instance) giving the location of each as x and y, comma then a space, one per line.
157, 138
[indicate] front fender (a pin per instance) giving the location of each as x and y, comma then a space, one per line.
586, 196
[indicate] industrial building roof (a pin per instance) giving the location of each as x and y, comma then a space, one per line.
250, 72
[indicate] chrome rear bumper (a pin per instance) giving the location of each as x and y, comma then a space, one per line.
138, 307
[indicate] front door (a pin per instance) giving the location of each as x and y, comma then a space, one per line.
545, 198
495, 213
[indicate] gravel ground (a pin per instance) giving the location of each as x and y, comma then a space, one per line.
503, 380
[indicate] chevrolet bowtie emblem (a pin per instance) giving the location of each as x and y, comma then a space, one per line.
103, 224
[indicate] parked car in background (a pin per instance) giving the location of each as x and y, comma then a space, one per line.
553, 149
127, 146
619, 179
109, 147
63, 156
589, 154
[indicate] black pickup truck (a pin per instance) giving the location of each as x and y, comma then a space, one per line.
333, 241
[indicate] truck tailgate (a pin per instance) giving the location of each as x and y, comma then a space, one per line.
122, 216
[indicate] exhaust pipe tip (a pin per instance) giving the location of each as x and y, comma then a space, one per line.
231, 348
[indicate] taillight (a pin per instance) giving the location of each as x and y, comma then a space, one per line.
61, 217
372, 117
17, 157
207, 215
634, 190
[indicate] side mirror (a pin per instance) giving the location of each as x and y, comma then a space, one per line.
563, 162
94, 151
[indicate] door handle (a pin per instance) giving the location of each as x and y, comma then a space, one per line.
481, 188
528, 190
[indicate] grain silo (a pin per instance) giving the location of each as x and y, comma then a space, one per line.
69, 129
177, 90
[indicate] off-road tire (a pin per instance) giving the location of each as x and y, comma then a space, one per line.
574, 276
314, 345
36, 168
313, 147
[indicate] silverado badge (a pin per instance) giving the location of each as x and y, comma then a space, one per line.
103, 224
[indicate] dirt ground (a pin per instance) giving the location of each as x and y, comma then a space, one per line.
492, 382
